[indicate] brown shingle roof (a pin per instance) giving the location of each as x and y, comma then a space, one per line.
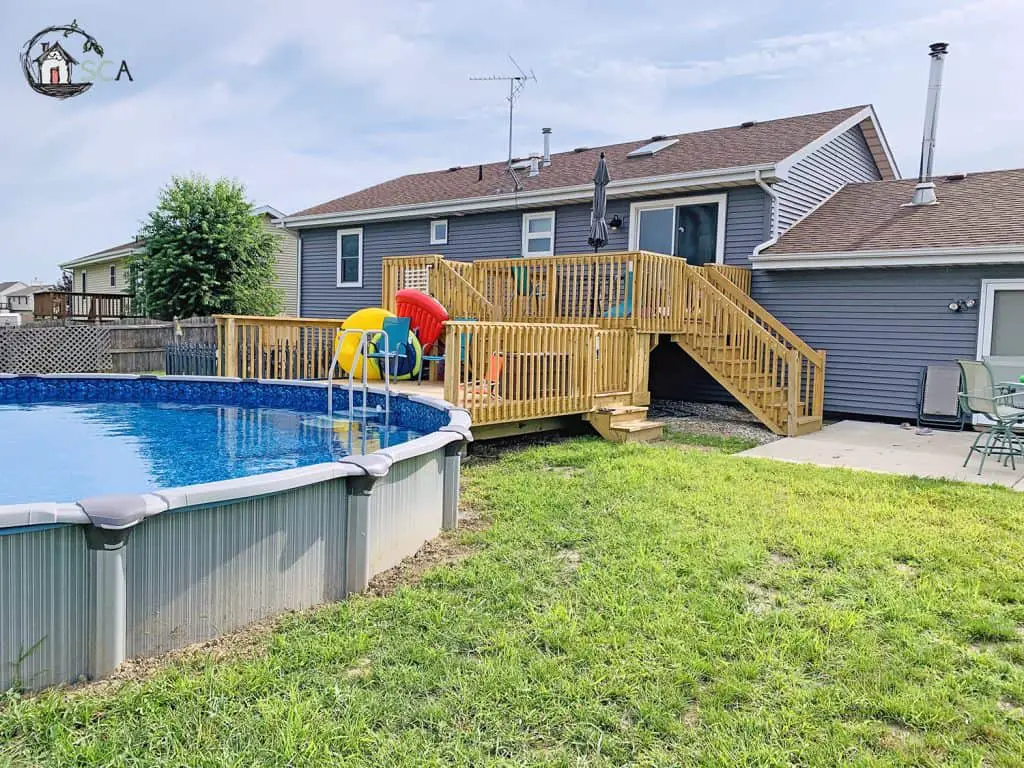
763, 143
984, 209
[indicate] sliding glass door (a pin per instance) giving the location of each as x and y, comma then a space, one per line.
691, 228
1001, 328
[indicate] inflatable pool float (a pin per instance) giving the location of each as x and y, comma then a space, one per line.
406, 366
426, 314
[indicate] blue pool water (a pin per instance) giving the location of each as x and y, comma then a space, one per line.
68, 451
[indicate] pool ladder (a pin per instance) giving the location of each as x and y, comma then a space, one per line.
361, 349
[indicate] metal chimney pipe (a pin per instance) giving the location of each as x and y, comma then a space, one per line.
546, 132
924, 193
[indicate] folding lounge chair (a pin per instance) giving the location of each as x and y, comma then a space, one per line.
938, 401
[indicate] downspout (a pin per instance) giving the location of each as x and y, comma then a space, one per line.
773, 225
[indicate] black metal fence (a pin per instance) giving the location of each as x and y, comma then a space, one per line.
190, 359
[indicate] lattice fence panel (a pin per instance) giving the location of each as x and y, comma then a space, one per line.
71, 349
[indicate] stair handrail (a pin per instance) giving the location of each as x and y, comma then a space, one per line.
765, 318
485, 307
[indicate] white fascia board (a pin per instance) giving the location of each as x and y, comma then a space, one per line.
582, 192
868, 113
100, 258
908, 257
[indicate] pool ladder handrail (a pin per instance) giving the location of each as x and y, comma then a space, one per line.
361, 349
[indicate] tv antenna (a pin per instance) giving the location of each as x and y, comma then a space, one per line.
516, 84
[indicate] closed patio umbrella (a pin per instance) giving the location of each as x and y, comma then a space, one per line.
598, 226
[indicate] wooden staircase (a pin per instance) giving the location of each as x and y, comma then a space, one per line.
572, 337
760, 362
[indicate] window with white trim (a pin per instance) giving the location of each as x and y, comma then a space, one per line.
539, 234
113, 275
350, 258
439, 232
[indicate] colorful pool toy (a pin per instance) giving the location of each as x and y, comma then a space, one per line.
424, 312
405, 366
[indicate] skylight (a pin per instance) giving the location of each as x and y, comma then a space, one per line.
652, 148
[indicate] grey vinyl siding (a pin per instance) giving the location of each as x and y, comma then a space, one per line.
846, 158
747, 223
879, 326
490, 236
286, 268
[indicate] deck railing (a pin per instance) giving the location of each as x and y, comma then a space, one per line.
275, 347
64, 305
447, 281
740, 277
504, 372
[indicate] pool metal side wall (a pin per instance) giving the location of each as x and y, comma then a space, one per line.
45, 607
405, 510
199, 573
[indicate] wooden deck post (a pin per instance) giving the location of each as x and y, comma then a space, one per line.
793, 378
230, 348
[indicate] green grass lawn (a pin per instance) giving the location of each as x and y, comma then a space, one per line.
628, 605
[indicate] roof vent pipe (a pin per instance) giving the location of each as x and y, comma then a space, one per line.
546, 132
924, 192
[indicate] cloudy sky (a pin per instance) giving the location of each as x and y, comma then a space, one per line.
307, 100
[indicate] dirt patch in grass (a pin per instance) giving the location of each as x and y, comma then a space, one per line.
570, 559
760, 599
446, 549
906, 569
780, 558
898, 737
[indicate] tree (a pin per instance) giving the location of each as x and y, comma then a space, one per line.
206, 253
65, 284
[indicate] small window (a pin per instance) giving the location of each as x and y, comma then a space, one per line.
83, 282
113, 276
350, 258
539, 234
439, 232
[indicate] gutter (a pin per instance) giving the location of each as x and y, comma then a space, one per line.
902, 257
85, 261
773, 227
578, 193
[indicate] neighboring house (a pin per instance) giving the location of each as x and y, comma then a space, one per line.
108, 271
55, 64
6, 289
709, 196
22, 302
888, 287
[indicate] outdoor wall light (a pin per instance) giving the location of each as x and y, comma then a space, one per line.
616, 223
961, 304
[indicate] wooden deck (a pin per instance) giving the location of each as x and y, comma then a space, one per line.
545, 338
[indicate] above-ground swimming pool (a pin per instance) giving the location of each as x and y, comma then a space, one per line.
129, 443
141, 513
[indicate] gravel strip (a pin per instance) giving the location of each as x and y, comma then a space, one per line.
710, 419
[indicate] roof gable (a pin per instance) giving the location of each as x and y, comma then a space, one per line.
758, 144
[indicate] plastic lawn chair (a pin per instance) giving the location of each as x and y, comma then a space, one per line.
980, 396
393, 341
488, 386
625, 307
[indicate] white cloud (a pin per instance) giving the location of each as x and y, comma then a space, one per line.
313, 99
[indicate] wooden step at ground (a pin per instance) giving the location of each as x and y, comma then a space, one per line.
622, 413
639, 431
624, 423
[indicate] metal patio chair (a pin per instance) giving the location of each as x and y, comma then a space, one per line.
980, 396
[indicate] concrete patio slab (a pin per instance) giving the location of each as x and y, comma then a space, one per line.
893, 450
